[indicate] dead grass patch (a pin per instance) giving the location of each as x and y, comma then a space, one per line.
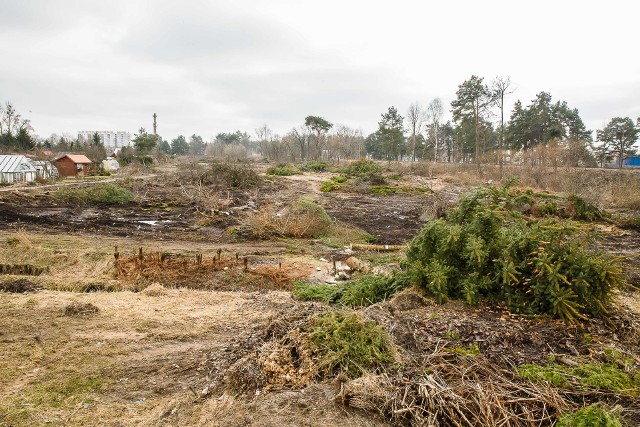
600, 187
455, 390
154, 290
80, 309
302, 218
20, 238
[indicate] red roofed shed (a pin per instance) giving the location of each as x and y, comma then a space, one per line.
72, 165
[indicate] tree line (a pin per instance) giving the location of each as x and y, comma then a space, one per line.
543, 131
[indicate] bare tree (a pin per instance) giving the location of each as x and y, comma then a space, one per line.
434, 110
346, 143
501, 86
11, 121
415, 118
263, 133
301, 136
10, 118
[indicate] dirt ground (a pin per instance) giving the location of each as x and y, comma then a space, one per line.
165, 212
72, 354
143, 360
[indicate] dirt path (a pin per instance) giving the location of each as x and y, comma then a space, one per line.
312, 182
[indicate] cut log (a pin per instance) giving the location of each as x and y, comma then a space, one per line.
379, 248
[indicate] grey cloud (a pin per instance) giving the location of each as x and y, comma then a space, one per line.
183, 34
349, 95
45, 16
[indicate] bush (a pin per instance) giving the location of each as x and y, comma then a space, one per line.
283, 170
487, 250
219, 174
108, 194
360, 292
323, 293
604, 376
578, 208
302, 218
331, 185
590, 416
347, 343
315, 167
367, 290
363, 167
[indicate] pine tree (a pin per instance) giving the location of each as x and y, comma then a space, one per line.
391, 134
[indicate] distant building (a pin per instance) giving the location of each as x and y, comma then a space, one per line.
631, 162
72, 165
16, 168
110, 164
111, 140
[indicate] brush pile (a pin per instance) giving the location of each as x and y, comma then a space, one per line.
170, 268
230, 272
455, 390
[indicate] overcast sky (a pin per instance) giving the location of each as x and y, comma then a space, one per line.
218, 66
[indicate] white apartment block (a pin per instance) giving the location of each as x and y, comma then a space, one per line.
110, 139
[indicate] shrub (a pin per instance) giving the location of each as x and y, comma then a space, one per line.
603, 376
486, 250
329, 186
108, 194
385, 190
376, 179
578, 208
307, 292
315, 167
590, 416
302, 218
367, 290
283, 170
363, 167
219, 174
345, 342
360, 292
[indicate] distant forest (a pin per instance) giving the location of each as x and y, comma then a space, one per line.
541, 131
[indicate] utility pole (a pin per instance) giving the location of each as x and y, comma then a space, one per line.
155, 124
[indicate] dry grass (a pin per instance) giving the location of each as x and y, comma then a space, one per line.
20, 239
302, 218
77, 308
71, 262
128, 365
601, 187
154, 290
456, 390
341, 234
208, 203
